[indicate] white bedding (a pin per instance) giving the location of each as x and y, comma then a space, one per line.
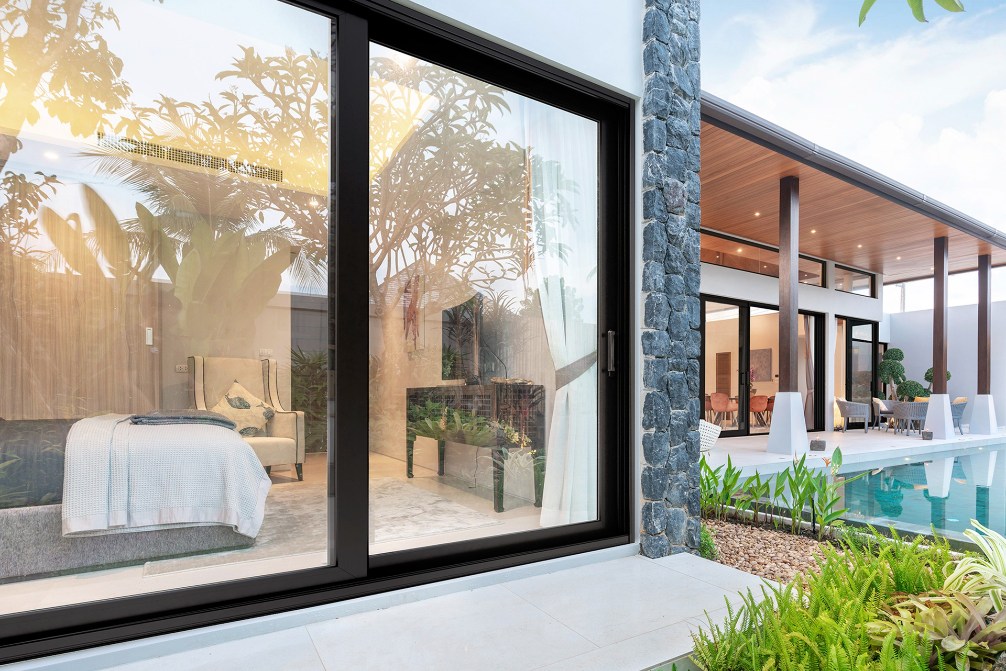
121, 477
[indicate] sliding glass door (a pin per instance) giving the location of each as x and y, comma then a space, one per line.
740, 366
297, 308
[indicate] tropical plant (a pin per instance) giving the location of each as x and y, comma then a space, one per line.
916, 6
984, 574
962, 633
707, 544
309, 393
891, 370
818, 621
929, 378
909, 390
717, 488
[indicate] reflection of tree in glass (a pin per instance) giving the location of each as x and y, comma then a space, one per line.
449, 200
54, 56
275, 114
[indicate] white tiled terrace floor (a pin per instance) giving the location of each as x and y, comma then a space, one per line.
625, 612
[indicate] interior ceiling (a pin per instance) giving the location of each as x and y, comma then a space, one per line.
838, 221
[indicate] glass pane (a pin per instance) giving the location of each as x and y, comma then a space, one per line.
807, 362
862, 332
853, 281
721, 367
483, 294
764, 368
739, 255
724, 251
163, 249
840, 370
811, 272
862, 372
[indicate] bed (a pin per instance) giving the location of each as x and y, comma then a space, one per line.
54, 510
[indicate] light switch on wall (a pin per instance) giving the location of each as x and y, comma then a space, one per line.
150, 336
181, 368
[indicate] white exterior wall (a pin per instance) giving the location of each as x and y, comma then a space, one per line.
913, 333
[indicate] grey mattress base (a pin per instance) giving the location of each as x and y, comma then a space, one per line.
32, 544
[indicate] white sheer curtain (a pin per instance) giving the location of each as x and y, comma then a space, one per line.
563, 152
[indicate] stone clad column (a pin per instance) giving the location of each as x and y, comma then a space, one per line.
671, 343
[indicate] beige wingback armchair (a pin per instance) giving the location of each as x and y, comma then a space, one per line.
209, 379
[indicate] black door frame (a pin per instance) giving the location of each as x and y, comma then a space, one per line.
874, 342
744, 359
354, 573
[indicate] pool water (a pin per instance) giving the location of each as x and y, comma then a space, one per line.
898, 496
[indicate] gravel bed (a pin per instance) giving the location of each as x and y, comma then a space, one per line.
762, 551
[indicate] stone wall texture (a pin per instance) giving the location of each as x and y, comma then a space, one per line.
670, 338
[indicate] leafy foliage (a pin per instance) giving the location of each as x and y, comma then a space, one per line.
916, 6
929, 377
791, 491
707, 544
819, 621
909, 390
309, 393
963, 634
890, 370
983, 574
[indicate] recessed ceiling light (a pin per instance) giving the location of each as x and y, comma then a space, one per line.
51, 155
813, 230
740, 250
859, 246
757, 214
898, 258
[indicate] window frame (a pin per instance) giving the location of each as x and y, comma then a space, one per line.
858, 271
768, 248
354, 572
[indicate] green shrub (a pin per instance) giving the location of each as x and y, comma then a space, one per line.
309, 391
707, 544
910, 389
819, 621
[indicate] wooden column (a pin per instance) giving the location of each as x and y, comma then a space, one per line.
789, 282
985, 324
941, 314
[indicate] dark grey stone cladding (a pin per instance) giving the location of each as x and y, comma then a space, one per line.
670, 242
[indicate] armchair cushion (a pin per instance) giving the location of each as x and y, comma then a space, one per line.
250, 413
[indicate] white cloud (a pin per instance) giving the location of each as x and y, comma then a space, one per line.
927, 107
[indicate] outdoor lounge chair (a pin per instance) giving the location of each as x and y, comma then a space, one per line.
882, 410
908, 413
851, 410
957, 412
708, 434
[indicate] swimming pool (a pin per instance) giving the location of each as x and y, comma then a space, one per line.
897, 495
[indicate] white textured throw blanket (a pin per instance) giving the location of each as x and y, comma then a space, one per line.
121, 477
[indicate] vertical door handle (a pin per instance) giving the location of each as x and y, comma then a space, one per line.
611, 353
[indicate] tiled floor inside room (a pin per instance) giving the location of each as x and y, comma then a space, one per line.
400, 526
626, 612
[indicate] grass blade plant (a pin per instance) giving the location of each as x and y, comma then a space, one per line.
818, 621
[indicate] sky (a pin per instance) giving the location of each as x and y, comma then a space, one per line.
923, 103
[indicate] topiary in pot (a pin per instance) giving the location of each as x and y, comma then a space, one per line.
891, 371
910, 389
929, 378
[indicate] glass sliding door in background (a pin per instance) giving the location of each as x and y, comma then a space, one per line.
483, 309
725, 384
163, 248
855, 364
740, 366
